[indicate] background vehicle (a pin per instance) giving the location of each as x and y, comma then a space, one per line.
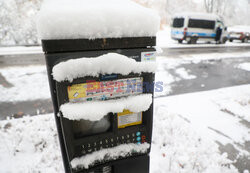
239, 32
194, 26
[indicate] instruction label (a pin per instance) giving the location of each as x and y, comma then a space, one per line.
148, 56
127, 118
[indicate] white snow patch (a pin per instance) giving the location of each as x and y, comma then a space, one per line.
105, 64
30, 144
28, 83
96, 110
239, 28
244, 66
176, 147
95, 19
183, 73
214, 111
123, 150
17, 50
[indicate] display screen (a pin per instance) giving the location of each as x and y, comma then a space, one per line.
86, 127
104, 90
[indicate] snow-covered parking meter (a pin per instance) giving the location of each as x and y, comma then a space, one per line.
101, 85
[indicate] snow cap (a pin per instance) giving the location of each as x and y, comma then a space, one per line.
90, 19
106, 64
123, 150
88, 111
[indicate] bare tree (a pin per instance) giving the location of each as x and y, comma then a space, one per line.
209, 5
220, 7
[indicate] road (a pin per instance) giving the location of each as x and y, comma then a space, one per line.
198, 50
38, 58
210, 74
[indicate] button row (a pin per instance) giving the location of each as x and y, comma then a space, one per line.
112, 142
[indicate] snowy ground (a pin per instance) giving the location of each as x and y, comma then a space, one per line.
183, 139
20, 50
27, 83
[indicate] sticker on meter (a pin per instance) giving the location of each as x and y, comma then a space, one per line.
148, 56
104, 90
127, 118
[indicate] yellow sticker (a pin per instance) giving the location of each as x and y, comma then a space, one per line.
128, 118
76, 91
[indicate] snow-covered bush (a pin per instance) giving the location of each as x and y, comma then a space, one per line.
17, 22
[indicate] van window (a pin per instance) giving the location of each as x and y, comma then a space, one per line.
178, 22
205, 24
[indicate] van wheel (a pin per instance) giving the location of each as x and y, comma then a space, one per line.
245, 40
193, 40
231, 40
180, 41
224, 40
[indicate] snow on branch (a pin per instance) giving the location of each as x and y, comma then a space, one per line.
123, 150
96, 110
105, 64
90, 19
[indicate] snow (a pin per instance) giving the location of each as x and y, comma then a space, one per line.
212, 111
88, 111
180, 143
27, 83
104, 64
244, 66
92, 19
17, 50
176, 147
168, 72
239, 28
183, 73
123, 150
30, 144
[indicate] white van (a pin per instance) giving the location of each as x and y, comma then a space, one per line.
194, 26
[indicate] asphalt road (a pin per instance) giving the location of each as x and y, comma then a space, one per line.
38, 58
199, 50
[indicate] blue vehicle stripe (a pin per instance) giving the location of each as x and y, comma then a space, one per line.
200, 34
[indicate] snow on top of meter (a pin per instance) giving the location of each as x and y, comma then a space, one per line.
106, 64
90, 19
122, 150
89, 111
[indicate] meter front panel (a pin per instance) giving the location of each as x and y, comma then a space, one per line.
113, 129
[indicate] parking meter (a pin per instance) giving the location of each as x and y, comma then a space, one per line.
119, 141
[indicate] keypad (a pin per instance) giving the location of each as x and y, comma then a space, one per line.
137, 137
